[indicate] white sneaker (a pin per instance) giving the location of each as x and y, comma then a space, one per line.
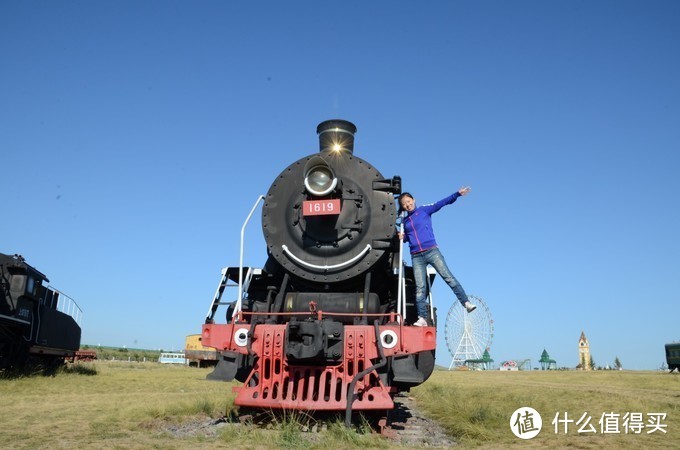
470, 307
420, 322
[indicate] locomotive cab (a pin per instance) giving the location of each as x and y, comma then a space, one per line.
21, 285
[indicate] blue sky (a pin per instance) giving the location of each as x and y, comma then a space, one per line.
136, 136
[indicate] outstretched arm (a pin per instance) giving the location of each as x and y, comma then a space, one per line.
434, 207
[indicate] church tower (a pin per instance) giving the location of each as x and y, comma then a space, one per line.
584, 352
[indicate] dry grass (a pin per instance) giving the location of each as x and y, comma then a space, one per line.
107, 410
476, 407
112, 405
109, 405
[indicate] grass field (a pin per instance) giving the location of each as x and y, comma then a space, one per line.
147, 405
476, 407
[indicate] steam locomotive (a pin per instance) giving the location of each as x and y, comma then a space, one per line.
322, 326
38, 324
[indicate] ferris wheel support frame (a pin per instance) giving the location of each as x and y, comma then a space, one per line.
473, 334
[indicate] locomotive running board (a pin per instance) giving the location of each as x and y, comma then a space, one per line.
14, 319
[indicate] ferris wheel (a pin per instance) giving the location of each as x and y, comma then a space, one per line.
468, 335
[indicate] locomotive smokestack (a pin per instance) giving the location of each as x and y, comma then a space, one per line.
336, 135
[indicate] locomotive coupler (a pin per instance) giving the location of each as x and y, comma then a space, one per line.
309, 341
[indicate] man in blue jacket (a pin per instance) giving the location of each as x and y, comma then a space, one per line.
419, 234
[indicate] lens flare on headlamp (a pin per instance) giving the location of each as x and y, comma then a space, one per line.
320, 180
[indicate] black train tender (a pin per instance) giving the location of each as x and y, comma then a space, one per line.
37, 323
322, 325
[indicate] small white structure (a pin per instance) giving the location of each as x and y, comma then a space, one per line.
508, 366
172, 358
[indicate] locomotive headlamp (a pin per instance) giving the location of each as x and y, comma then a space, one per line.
320, 180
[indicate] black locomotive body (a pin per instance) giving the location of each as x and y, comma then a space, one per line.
322, 325
37, 322
673, 356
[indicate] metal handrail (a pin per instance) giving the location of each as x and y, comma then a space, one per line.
321, 313
400, 278
240, 264
429, 294
68, 306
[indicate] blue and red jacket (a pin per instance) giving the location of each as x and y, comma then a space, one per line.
418, 231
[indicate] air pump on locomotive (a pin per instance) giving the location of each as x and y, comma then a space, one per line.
322, 326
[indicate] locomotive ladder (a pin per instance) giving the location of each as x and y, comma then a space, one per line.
227, 274
243, 284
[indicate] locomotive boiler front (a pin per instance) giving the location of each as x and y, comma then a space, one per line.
329, 217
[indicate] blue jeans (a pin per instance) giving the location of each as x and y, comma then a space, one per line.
434, 258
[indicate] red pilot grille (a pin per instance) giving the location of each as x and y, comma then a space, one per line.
274, 383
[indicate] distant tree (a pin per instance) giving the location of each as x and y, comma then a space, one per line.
617, 363
592, 363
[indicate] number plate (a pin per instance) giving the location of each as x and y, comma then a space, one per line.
321, 207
